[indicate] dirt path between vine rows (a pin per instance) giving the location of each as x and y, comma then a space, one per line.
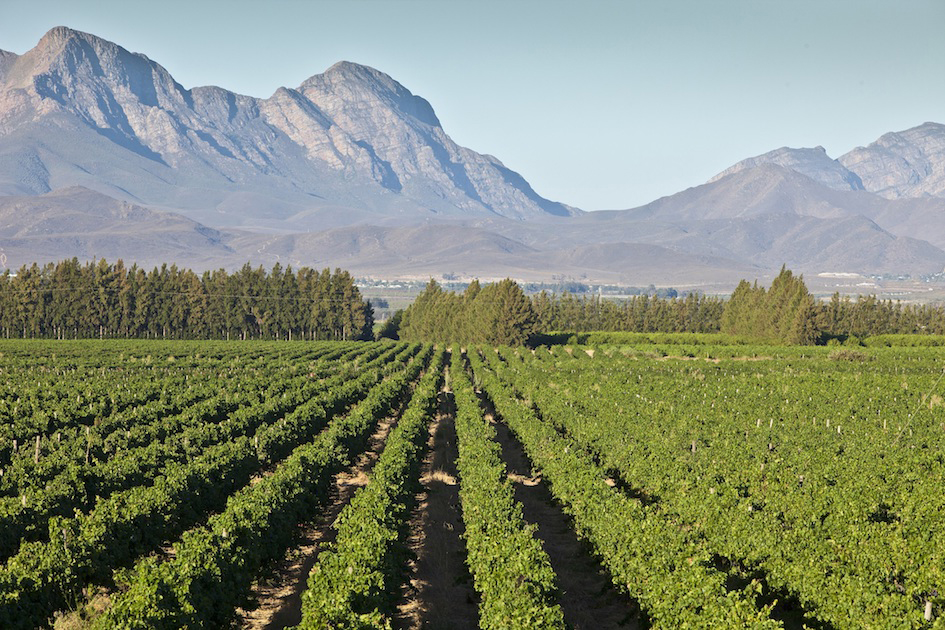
279, 598
589, 599
439, 593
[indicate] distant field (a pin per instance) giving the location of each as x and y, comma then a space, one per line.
633, 481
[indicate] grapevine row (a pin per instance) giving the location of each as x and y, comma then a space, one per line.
354, 584
221, 418
779, 493
83, 550
653, 560
214, 564
510, 569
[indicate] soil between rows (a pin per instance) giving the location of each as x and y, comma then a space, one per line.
589, 600
440, 592
279, 598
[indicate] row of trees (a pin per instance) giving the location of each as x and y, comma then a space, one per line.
69, 300
641, 313
501, 313
72, 300
867, 315
785, 312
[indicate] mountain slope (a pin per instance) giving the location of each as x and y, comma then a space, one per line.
814, 163
769, 215
752, 191
904, 164
899, 165
352, 137
104, 154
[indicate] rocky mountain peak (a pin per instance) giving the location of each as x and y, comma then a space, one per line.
351, 72
899, 165
355, 86
908, 163
812, 162
351, 137
63, 51
92, 78
58, 36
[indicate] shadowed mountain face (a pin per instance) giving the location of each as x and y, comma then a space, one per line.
104, 154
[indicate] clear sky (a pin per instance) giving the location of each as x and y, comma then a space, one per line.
599, 104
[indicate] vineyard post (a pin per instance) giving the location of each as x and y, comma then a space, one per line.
88, 443
36, 452
928, 610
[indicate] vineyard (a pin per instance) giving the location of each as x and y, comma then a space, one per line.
641, 482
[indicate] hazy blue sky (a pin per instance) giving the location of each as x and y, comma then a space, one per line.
598, 104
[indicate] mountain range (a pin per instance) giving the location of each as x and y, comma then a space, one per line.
104, 154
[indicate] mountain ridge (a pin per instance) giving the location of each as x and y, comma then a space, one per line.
350, 168
814, 163
350, 127
898, 165
909, 163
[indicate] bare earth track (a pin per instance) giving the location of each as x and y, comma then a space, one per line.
279, 598
440, 593
589, 600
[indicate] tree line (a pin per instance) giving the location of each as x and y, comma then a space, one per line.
97, 299
868, 315
501, 313
73, 300
785, 312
